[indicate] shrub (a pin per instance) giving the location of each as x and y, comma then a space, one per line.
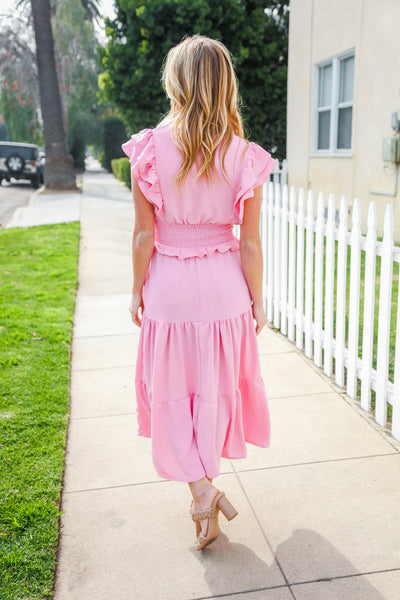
121, 169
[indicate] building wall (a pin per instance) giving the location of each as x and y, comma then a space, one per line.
320, 29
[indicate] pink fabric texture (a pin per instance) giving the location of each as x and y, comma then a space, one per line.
200, 395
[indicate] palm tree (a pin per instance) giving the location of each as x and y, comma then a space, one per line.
92, 9
59, 173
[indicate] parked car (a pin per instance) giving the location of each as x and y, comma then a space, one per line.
21, 161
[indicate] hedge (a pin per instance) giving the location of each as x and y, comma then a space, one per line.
121, 169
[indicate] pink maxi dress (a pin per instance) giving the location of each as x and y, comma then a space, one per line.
198, 381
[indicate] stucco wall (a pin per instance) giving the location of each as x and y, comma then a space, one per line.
320, 29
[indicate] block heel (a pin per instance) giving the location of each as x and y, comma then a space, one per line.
227, 509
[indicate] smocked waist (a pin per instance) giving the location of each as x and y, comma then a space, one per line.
192, 234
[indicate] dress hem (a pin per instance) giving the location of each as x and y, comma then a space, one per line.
209, 475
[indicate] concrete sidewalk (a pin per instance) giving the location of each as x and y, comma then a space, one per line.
46, 209
318, 511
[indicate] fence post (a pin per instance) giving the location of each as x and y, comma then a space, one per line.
385, 305
341, 293
354, 300
284, 259
369, 309
292, 264
270, 258
329, 285
309, 274
319, 280
396, 392
277, 257
284, 171
300, 271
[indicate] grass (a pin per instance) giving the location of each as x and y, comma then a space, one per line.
393, 318
38, 279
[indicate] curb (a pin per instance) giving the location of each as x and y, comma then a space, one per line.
35, 193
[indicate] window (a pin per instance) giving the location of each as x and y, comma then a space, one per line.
334, 105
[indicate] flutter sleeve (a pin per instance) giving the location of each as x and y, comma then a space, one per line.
257, 167
140, 150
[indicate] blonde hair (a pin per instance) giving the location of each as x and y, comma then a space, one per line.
199, 80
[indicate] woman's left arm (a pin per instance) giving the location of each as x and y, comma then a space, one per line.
142, 248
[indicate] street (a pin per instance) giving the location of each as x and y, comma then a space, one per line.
13, 195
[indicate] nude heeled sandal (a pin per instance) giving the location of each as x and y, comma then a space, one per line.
221, 503
198, 526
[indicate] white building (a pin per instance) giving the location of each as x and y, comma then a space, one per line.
343, 87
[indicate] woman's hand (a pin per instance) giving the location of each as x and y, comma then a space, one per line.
135, 305
259, 316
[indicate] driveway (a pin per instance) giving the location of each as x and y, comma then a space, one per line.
13, 195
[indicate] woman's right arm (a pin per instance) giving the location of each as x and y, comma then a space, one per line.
142, 247
251, 255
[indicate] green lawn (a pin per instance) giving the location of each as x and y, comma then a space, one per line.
38, 279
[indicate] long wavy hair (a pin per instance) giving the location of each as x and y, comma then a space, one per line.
200, 82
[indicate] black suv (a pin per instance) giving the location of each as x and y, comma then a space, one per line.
21, 161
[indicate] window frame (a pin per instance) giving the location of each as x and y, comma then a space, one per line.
334, 106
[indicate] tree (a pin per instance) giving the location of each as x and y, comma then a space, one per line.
77, 66
75, 48
263, 73
59, 173
19, 95
256, 33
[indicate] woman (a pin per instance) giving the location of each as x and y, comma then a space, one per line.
197, 290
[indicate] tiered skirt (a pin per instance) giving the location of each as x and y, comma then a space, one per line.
200, 394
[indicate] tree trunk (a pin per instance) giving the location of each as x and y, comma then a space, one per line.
59, 173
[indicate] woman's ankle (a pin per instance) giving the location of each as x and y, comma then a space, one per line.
200, 489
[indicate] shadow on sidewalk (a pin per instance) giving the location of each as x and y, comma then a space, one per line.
235, 567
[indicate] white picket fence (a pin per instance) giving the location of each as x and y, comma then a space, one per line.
301, 254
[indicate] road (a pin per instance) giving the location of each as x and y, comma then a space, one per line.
13, 195
17, 193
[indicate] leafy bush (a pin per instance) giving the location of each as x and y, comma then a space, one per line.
121, 169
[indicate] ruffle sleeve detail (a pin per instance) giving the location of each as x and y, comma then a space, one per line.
140, 150
258, 167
